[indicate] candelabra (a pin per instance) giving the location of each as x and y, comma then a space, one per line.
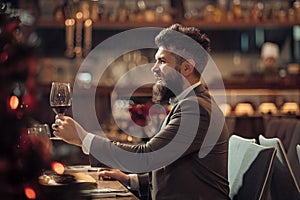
76, 29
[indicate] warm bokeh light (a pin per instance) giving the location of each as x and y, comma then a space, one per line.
30, 193
79, 15
69, 22
88, 22
290, 108
242, 109
58, 168
226, 109
267, 108
13, 102
129, 138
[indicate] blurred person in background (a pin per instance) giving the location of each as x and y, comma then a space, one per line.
269, 64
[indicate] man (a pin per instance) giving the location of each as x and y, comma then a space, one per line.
182, 173
269, 60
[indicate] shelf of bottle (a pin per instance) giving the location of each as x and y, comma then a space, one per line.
240, 24
105, 25
108, 25
255, 85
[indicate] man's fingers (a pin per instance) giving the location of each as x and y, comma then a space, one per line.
103, 169
58, 122
54, 126
59, 117
103, 175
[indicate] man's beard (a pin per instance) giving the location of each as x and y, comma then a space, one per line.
163, 91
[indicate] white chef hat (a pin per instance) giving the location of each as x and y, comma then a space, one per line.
269, 50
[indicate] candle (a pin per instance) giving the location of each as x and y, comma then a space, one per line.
87, 35
69, 23
94, 10
78, 39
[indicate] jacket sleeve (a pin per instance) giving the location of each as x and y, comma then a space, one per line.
179, 136
145, 186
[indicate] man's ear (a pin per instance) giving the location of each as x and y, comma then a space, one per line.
187, 67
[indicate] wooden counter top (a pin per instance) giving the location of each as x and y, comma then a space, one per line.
87, 187
111, 184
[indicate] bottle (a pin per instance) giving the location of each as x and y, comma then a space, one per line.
237, 11
257, 11
220, 10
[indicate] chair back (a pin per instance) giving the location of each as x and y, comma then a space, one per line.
249, 168
298, 152
282, 128
283, 183
292, 153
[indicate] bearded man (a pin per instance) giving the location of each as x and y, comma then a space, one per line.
173, 154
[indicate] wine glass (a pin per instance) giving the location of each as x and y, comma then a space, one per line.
40, 134
60, 97
40, 130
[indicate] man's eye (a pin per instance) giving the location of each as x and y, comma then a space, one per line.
160, 61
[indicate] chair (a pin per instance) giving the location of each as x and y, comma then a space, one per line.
249, 168
283, 183
282, 128
292, 153
298, 152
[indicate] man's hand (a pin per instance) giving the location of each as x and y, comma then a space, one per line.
68, 129
108, 173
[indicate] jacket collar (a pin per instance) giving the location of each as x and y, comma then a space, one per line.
197, 87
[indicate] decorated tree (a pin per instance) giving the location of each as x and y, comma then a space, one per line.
22, 157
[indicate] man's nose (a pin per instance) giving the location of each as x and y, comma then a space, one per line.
155, 68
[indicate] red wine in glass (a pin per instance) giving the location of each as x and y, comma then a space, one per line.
60, 97
61, 109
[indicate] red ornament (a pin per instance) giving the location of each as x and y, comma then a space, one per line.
11, 27
3, 57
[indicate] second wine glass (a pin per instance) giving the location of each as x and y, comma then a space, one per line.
60, 97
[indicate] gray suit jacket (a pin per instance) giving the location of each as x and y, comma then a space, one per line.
188, 177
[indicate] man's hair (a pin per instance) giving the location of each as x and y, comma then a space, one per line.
187, 42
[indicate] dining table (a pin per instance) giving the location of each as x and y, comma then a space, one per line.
87, 186
109, 190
